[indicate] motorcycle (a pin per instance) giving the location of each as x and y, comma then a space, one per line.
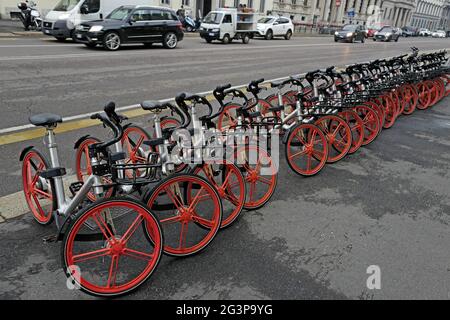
190, 24
29, 15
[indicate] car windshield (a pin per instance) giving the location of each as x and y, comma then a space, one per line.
213, 18
265, 20
66, 5
349, 28
119, 13
386, 29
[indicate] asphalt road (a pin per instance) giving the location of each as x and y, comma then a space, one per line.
387, 205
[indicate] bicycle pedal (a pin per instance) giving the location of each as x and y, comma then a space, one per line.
75, 187
50, 238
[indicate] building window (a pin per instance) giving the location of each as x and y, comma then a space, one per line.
305, 2
303, 18
294, 2
250, 3
165, 2
236, 3
262, 4
186, 3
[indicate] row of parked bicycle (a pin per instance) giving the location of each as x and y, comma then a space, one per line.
139, 195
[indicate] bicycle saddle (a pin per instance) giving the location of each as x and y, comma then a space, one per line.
154, 105
45, 119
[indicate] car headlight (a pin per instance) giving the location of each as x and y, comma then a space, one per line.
336, 33
216, 30
388, 34
79, 27
349, 34
96, 28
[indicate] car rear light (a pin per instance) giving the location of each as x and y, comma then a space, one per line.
179, 25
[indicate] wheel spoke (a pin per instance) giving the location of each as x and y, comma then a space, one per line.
103, 226
264, 180
45, 194
129, 233
202, 220
196, 199
113, 271
183, 232
298, 154
137, 254
176, 201
170, 220
91, 255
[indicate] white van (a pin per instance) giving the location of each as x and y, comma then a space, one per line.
226, 24
67, 14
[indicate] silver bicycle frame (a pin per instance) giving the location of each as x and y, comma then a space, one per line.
65, 206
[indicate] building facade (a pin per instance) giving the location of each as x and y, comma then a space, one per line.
366, 12
195, 8
444, 23
429, 14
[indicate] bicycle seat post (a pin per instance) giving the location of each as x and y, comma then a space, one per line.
54, 160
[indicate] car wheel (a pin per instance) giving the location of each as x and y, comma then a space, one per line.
335, 40
90, 45
61, 39
269, 35
396, 40
226, 38
374, 39
170, 40
363, 39
189, 29
208, 40
111, 41
245, 39
288, 35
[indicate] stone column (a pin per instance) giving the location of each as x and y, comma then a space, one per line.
341, 11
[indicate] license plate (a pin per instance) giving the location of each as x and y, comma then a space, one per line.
211, 34
79, 36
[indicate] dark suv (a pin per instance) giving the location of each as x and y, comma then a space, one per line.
132, 24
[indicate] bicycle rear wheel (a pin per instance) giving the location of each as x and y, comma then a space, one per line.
83, 166
306, 149
424, 95
230, 184
356, 126
39, 192
260, 173
184, 203
370, 122
107, 251
338, 134
409, 98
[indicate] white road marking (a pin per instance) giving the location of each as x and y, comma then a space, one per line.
146, 52
124, 108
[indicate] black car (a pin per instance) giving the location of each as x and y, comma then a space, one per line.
132, 24
351, 33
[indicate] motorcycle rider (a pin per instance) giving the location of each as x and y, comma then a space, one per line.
26, 10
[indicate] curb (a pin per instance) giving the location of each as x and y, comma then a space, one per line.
15, 34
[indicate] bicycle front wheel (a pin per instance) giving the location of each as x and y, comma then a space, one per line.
107, 252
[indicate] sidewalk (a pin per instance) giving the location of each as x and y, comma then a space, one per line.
14, 28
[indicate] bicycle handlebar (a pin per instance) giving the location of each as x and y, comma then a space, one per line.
116, 128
